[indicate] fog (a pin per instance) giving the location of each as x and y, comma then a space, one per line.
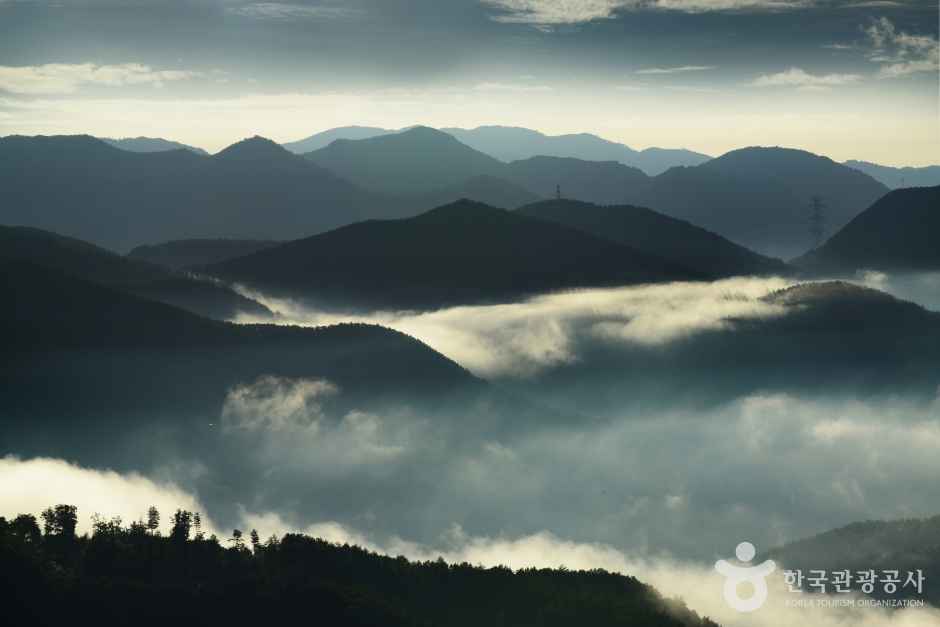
522, 339
694, 581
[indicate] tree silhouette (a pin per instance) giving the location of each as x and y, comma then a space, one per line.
60, 520
182, 523
153, 519
255, 541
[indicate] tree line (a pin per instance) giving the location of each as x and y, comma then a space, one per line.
121, 574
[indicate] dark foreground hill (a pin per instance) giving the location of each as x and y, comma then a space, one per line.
905, 545
465, 252
85, 368
87, 261
645, 230
760, 197
900, 232
82, 187
127, 576
179, 254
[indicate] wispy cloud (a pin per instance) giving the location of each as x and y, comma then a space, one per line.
511, 87
558, 12
288, 11
66, 78
676, 70
801, 79
900, 53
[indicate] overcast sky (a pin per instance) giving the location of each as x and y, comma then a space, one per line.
849, 79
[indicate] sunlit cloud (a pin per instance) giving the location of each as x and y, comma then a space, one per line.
291, 11
66, 78
799, 78
524, 338
900, 53
676, 70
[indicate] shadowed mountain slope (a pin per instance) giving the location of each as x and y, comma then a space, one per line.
513, 143
656, 234
489, 190
82, 187
184, 253
760, 197
87, 261
895, 178
905, 545
900, 232
602, 182
325, 138
419, 160
461, 253
150, 144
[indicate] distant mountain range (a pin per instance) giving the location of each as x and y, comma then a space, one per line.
180, 254
85, 188
900, 232
760, 197
508, 143
255, 189
412, 162
461, 253
895, 178
150, 144
86, 261
674, 240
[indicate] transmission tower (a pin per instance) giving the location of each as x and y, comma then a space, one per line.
558, 192
817, 221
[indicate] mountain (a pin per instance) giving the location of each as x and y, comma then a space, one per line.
86, 261
489, 190
906, 545
895, 178
760, 197
119, 571
416, 161
325, 138
150, 144
85, 188
185, 253
509, 143
645, 230
465, 252
900, 232
602, 182
83, 361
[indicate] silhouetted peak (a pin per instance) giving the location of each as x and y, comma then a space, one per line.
254, 149
460, 210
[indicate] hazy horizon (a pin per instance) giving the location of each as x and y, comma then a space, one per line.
847, 80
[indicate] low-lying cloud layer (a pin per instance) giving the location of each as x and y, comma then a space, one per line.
521, 339
695, 582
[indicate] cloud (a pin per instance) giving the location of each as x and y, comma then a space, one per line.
511, 87
30, 486
558, 12
900, 53
524, 338
287, 11
66, 78
276, 404
675, 70
796, 77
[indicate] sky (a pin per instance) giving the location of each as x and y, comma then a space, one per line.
851, 79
